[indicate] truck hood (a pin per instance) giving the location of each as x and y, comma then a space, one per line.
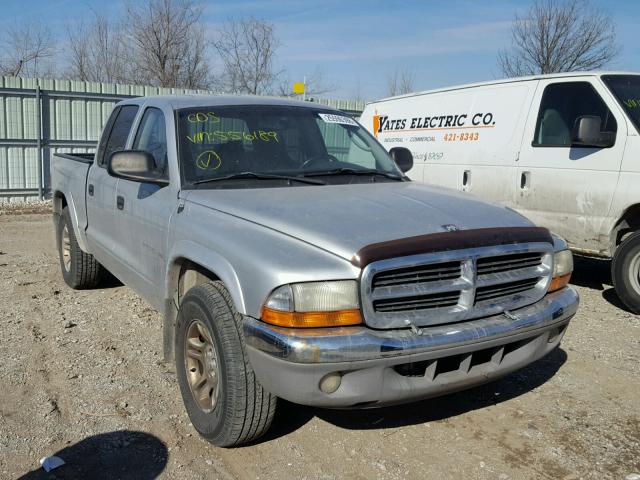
344, 218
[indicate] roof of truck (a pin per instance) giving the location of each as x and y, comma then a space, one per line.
186, 101
507, 80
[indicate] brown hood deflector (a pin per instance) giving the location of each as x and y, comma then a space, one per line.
444, 241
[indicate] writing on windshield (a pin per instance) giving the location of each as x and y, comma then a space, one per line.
217, 136
275, 140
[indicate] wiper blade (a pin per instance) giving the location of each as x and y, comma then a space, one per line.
354, 171
260, 176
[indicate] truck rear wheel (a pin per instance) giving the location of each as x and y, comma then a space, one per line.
625, 271
79, 269
225, 402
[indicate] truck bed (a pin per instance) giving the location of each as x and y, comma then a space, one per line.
69, 174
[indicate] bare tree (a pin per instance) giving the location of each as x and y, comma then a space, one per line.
247, 48
168, 44
97, 52
28, 51
400, 82
315, 84
559, 36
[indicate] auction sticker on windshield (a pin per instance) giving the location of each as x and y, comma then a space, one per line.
331, 118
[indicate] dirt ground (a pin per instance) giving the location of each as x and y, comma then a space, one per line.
82, 378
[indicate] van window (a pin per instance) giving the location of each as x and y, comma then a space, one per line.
562, 104
626, 89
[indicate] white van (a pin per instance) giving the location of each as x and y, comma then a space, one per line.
564, 150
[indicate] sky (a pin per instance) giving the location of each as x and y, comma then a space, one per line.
358, 44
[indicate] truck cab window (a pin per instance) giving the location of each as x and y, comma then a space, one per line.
561, 106
222, 141
152, 137
117, 137
345, 145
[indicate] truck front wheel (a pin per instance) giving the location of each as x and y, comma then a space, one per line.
79, 269
223, 399
625, 271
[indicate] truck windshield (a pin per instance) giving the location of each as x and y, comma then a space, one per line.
626, 88
261, 144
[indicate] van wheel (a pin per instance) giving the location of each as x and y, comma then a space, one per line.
79, 269
625, 271
223, 399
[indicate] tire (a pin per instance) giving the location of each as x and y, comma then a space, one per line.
223, 399
625, 271
79, 269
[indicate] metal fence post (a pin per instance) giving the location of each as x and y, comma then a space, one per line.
39, 144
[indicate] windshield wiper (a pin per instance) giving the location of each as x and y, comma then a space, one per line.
354, 171
260, 176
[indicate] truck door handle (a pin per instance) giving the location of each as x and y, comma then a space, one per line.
120, 202
525, 180
91, 189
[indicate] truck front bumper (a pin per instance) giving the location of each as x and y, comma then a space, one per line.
381, 367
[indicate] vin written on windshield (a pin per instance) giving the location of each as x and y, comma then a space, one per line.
273, 143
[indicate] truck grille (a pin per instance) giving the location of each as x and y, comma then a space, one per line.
423, 302
504, 263
445, 287
419, 274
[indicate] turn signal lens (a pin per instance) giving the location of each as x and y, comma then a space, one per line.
314, 304
559, 282
340, 318
562, 268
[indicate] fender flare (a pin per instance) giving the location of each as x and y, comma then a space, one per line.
210, 261
59, 195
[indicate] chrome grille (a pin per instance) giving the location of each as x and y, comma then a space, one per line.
419, 274
504, 263
503, 290
422, 302
445, 287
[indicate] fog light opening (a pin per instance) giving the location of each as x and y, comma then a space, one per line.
330, 382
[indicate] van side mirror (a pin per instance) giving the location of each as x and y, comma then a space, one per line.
403, 158
586, 133
136, 165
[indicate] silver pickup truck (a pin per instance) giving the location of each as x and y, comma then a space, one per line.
291, 257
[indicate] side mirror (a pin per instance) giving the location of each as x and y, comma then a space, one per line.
403, 158
135, 165
586, 133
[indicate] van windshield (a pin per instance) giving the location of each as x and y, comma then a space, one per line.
626, 88
262, 145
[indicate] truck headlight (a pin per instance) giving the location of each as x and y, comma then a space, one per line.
562, 268
313, 304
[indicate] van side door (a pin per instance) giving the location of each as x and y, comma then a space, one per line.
564, 187
487, 149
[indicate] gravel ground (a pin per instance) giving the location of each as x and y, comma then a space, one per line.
83, 379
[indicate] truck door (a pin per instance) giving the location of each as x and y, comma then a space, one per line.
101, 187
569, 189
144, 209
